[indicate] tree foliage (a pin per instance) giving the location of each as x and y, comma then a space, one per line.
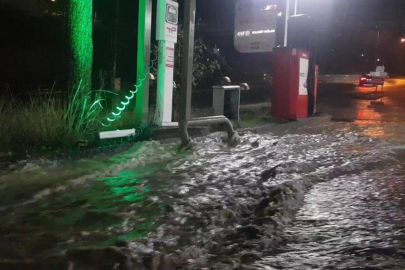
204, 64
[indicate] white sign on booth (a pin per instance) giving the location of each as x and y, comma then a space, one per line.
304, 68
168, 31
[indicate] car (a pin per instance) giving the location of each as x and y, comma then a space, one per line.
364, 79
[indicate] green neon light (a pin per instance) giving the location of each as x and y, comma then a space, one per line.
81, 38
144, 39
116, 114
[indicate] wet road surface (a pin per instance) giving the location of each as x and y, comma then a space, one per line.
355, 220
222, 208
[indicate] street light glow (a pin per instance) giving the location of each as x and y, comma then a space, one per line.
402, 40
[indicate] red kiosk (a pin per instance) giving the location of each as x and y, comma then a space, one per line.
290, 79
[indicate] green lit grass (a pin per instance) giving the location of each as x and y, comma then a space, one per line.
46, 123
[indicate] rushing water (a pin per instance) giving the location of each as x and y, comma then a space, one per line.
215, 206
355, 221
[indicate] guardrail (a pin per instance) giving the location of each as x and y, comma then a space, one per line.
233, 138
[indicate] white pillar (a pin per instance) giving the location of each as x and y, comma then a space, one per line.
166, 34
164, 105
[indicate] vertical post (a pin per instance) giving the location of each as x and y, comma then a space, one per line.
287, 16
377, 47
187, 60
143, 61
296, 7
161, 79
117, 13
166, 34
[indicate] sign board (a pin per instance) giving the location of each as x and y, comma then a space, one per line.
375, 81
304, 68
379, 74
169, 56
255, 26
380, 69
167, 20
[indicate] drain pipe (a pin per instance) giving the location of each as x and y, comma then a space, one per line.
233, 138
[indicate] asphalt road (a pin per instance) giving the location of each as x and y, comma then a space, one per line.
339, 97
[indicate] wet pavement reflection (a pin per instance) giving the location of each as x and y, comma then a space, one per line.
306, 195
355, 220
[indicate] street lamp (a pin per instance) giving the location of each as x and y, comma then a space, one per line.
403, 40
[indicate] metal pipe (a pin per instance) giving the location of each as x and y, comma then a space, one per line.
296, 7
287, 16
233, 138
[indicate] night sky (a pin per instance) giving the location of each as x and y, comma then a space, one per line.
34, 7
346, 32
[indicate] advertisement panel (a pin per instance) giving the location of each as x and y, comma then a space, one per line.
255, 26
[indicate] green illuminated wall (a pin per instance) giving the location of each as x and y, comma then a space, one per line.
81, 31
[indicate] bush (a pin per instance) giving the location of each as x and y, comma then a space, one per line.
47, 123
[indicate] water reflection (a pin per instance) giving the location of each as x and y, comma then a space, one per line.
352, 222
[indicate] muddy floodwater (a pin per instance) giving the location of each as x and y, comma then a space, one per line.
297, 196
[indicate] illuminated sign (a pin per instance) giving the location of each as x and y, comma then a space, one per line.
255, 26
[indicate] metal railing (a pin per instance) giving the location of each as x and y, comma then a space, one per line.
233, 138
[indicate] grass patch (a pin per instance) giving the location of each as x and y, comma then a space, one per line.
248, 120
53, 124
47, 123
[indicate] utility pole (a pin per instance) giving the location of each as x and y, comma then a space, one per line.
287, 16
377, 46
187, 59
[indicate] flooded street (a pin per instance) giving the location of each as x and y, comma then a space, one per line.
315, 194
352, 222
355, 220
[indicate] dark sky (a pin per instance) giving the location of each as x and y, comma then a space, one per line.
355, 10
350, 24
34, 7
390, 10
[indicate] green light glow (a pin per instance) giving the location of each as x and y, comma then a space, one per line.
144, 39
119, 109
81, 38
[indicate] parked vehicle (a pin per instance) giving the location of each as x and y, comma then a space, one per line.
365, 79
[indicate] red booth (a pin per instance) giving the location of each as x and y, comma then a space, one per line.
290, 78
